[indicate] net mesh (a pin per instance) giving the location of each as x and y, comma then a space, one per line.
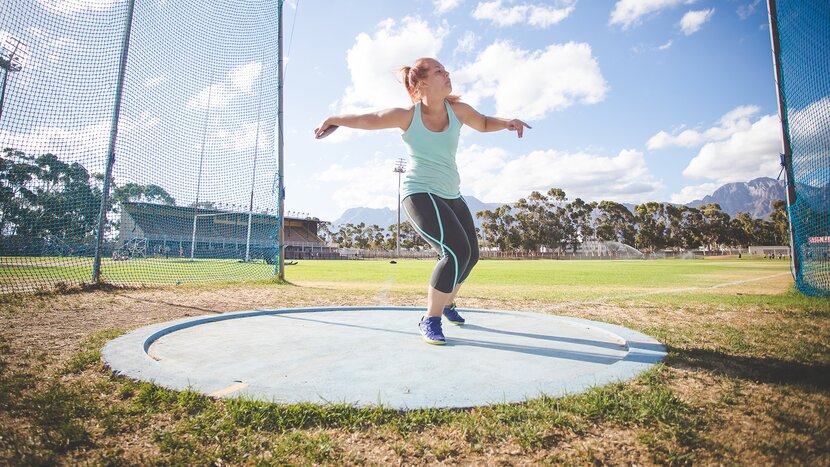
804, 37
192, 191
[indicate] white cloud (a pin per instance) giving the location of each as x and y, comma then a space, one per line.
531, 84
374, 61
692, 21
443, 6
734, 121
77, 6
666, 45
154, 81
243, 137
748, 9
215, 96
540, 16
745, 155
694, 192
244, 76
466, 43
238, 81
491, 175
87, 144
806, 126
368, 185
628, 13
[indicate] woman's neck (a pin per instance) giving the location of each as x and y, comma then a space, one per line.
432, 104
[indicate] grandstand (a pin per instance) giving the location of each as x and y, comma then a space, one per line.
168, 231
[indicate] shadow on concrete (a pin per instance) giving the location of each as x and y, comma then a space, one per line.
456, 341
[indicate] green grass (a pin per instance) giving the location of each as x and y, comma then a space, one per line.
600, 273
757, 351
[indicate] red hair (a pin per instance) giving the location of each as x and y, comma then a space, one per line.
413, 75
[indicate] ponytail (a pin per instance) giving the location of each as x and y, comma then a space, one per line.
409, 83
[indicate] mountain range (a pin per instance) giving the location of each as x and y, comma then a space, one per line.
754, 197
385, 216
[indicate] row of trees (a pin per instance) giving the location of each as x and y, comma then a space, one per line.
372, 237
43, 197
551, 222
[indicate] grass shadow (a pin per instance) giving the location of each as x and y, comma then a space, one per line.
758, 369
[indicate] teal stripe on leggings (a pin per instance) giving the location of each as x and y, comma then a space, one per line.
439, 242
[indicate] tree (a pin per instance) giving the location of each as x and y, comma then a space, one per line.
743, 229
651, 235
580, 217
17, 195
133, 192
499, 228
715, 230
69, 204
781, 222
682, 227
615, 223
410, 239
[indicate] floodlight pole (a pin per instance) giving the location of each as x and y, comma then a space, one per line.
253, 179
787, 156
199, 177
8, 66
116, 112
400, 167
280, 264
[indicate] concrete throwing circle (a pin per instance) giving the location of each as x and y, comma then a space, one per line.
374, 356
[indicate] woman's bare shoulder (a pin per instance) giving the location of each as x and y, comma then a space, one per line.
463, 110
402, 116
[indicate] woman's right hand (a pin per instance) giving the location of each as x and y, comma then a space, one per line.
324, 129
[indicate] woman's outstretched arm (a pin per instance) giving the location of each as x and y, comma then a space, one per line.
473, 119
389, 118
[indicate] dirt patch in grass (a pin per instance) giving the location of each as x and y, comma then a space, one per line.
731, 394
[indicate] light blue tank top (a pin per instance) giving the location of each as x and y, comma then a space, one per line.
432, 167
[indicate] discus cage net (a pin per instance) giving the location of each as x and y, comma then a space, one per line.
800, 31
183, 96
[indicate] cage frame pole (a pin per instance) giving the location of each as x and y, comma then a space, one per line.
253, 178
116, 112
787, 155
280, 263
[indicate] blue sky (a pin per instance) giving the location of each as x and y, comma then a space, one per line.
630, 100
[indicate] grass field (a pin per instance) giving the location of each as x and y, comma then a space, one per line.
746, 381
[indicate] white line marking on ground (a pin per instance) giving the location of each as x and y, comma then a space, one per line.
602, 300
229, 390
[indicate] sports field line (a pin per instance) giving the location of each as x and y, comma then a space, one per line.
602, 300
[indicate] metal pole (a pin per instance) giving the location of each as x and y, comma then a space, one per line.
400, 168
280, 146
785, 139
3, 91
9, 66
253, 178
199, 177
102, 216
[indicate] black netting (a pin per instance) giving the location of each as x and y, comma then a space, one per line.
803, 32
193, 186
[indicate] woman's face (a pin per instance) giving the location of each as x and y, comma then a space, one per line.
437, 80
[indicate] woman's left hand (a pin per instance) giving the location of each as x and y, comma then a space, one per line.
518, 126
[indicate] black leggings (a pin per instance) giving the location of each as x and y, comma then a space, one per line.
447, 225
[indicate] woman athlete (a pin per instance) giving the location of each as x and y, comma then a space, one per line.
432, 197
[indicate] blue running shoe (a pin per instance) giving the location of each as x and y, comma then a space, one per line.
431, 330
452, 315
